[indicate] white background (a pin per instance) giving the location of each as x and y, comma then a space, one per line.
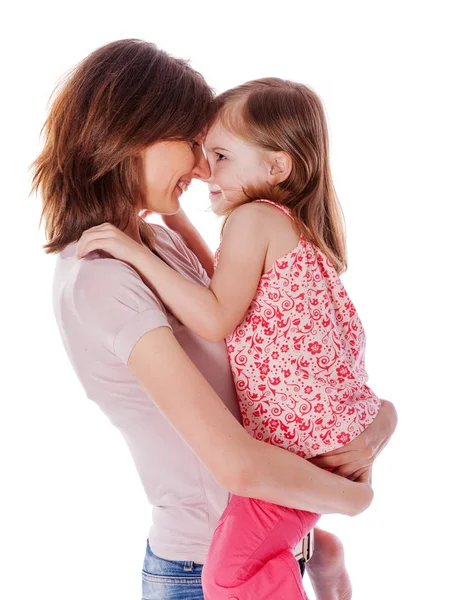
392, 76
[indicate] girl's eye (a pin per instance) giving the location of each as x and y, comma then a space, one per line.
220, 156
194, 144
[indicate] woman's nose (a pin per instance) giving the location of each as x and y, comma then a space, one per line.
202, 170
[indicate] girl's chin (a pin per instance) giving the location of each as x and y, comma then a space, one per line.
219, 204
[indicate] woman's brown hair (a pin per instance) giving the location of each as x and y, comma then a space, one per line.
279, 115
119, 100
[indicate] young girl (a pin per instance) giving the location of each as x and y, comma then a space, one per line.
295, 342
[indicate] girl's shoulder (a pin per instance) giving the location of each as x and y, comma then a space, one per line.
273, 207
259, 212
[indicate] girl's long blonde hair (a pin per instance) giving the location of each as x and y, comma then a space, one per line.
279, 115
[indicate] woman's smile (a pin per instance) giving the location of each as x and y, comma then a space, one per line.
181, 187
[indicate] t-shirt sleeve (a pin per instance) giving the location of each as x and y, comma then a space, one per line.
182, 247
111, 300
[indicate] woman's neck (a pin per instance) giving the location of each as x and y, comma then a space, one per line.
133, 229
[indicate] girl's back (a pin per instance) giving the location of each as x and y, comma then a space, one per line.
297, 357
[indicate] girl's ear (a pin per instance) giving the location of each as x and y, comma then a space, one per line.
280, 166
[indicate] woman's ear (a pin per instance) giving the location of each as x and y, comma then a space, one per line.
279, 167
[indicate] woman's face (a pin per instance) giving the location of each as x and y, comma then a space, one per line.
168, 169
234, 164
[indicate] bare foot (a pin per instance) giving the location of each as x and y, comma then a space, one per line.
326, 568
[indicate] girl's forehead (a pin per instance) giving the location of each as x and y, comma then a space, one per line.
218, 132
217, 128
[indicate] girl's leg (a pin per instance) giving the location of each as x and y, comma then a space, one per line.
169, 579
251, 555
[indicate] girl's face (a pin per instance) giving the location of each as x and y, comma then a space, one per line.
168, 169
234, 164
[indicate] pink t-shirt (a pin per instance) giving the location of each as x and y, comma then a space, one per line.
103, 308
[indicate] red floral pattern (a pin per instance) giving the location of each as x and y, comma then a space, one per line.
298, 358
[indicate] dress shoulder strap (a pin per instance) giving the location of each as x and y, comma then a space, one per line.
278, 206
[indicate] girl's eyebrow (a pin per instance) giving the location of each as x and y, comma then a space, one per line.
217, 148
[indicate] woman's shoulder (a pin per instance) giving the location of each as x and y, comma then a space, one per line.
100, 279
96, 269
165, 237
171, 247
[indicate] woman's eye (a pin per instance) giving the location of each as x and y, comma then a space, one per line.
220, 156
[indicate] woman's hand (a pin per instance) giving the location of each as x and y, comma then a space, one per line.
109, 238
355, 460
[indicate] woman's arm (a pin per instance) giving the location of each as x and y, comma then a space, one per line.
211, 312
182, 225
245, 466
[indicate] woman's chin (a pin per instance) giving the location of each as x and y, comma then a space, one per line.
170, 208
166, 206
172, 211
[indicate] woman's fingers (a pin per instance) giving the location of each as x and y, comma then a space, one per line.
350, 468
332, 461
345, 464
327, 462
363, 476
361, 452
358, 474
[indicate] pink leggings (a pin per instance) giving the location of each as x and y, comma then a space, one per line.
251, 556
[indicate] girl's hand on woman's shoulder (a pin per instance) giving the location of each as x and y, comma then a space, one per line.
112, 240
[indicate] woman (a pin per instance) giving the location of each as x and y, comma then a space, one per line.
124, 135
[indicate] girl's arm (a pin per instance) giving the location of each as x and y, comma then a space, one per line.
214, 312
182, 225
211, 312
241, 464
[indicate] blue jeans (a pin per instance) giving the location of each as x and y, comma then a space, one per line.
174, 580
